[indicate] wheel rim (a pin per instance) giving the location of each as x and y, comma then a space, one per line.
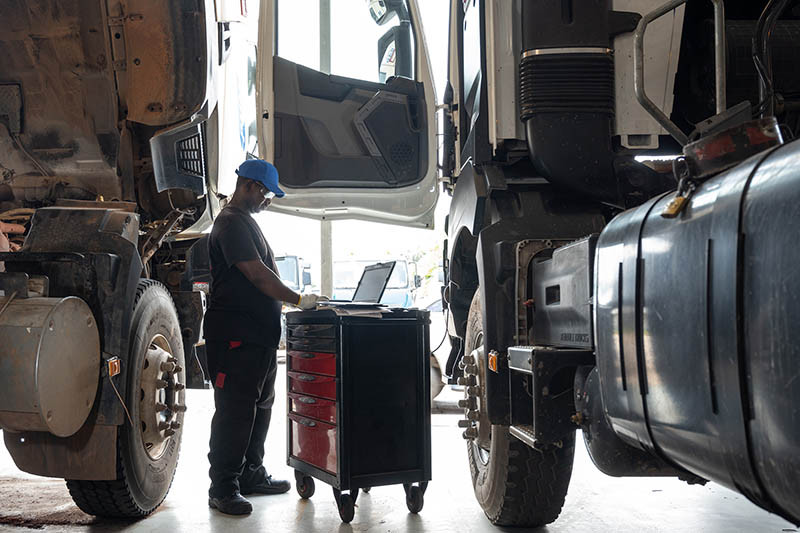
481, 444
159, 396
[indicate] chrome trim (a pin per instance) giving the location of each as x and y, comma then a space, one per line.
567, 50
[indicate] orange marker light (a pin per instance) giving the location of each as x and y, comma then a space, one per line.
114, 366
493, 361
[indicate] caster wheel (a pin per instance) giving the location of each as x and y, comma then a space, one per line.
414, 499
305, 487
366, 489
347, 508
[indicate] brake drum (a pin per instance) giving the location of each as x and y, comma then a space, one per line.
49, 364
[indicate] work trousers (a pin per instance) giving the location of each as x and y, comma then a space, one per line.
244, 390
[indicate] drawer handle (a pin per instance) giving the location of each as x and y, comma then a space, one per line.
306, 400
304, 377
307, 423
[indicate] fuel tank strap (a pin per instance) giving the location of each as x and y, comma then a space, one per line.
630, 310
727, 360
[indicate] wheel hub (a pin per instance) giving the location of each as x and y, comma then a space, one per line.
160, 397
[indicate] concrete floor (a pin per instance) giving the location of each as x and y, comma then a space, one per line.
595, 503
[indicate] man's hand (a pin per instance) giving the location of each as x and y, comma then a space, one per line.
5, 229
310, 301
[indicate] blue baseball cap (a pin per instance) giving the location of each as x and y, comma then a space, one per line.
262, 172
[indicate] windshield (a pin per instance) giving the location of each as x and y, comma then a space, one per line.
347, 273
287, 270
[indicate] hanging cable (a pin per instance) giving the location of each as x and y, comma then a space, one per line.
121, 401
44, 170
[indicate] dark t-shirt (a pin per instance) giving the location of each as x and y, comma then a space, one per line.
238, 310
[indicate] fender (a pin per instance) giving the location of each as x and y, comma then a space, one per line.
501, 213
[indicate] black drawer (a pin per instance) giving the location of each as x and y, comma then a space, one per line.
311, 330
311, 344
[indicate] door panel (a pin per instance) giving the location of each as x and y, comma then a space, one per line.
351, 133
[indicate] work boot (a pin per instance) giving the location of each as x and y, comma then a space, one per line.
232, 504
256, 480
268, 486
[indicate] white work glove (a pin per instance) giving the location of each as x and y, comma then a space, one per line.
310, 301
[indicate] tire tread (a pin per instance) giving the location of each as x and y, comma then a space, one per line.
113, 499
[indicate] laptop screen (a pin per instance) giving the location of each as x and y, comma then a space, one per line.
373, 282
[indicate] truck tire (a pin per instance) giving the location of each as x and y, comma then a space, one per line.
516, 485
436, 379
147, 452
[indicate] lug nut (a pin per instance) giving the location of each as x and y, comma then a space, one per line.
467, 403
169, 432
466, 380
161, 384
175, 424
468, 360
473, 415
161, 407
464, 423
168, 367
470, 433
179, 386
474, 390
163, 426
471, 369
178, 408
178, 369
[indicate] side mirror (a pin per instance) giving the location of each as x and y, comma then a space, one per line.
378, 11
394, 52
306, 278
417, 280
382, 10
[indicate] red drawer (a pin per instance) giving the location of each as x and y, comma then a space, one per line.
324, 386
318, 408
316, 362
313, 442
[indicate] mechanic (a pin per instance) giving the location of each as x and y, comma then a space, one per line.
242, 330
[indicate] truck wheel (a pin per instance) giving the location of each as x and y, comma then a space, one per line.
436, 378
516, 485
147, 452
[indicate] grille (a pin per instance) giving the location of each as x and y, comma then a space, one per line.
566, 83
189, 152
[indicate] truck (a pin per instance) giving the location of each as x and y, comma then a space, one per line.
620, 243
624, 178
620, 255
121, 124
294, 273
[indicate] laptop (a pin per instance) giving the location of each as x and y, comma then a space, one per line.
370, 287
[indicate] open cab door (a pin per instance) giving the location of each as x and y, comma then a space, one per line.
347, 109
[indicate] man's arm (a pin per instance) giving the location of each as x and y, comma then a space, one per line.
267, 281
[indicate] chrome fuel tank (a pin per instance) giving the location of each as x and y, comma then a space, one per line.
694, 323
